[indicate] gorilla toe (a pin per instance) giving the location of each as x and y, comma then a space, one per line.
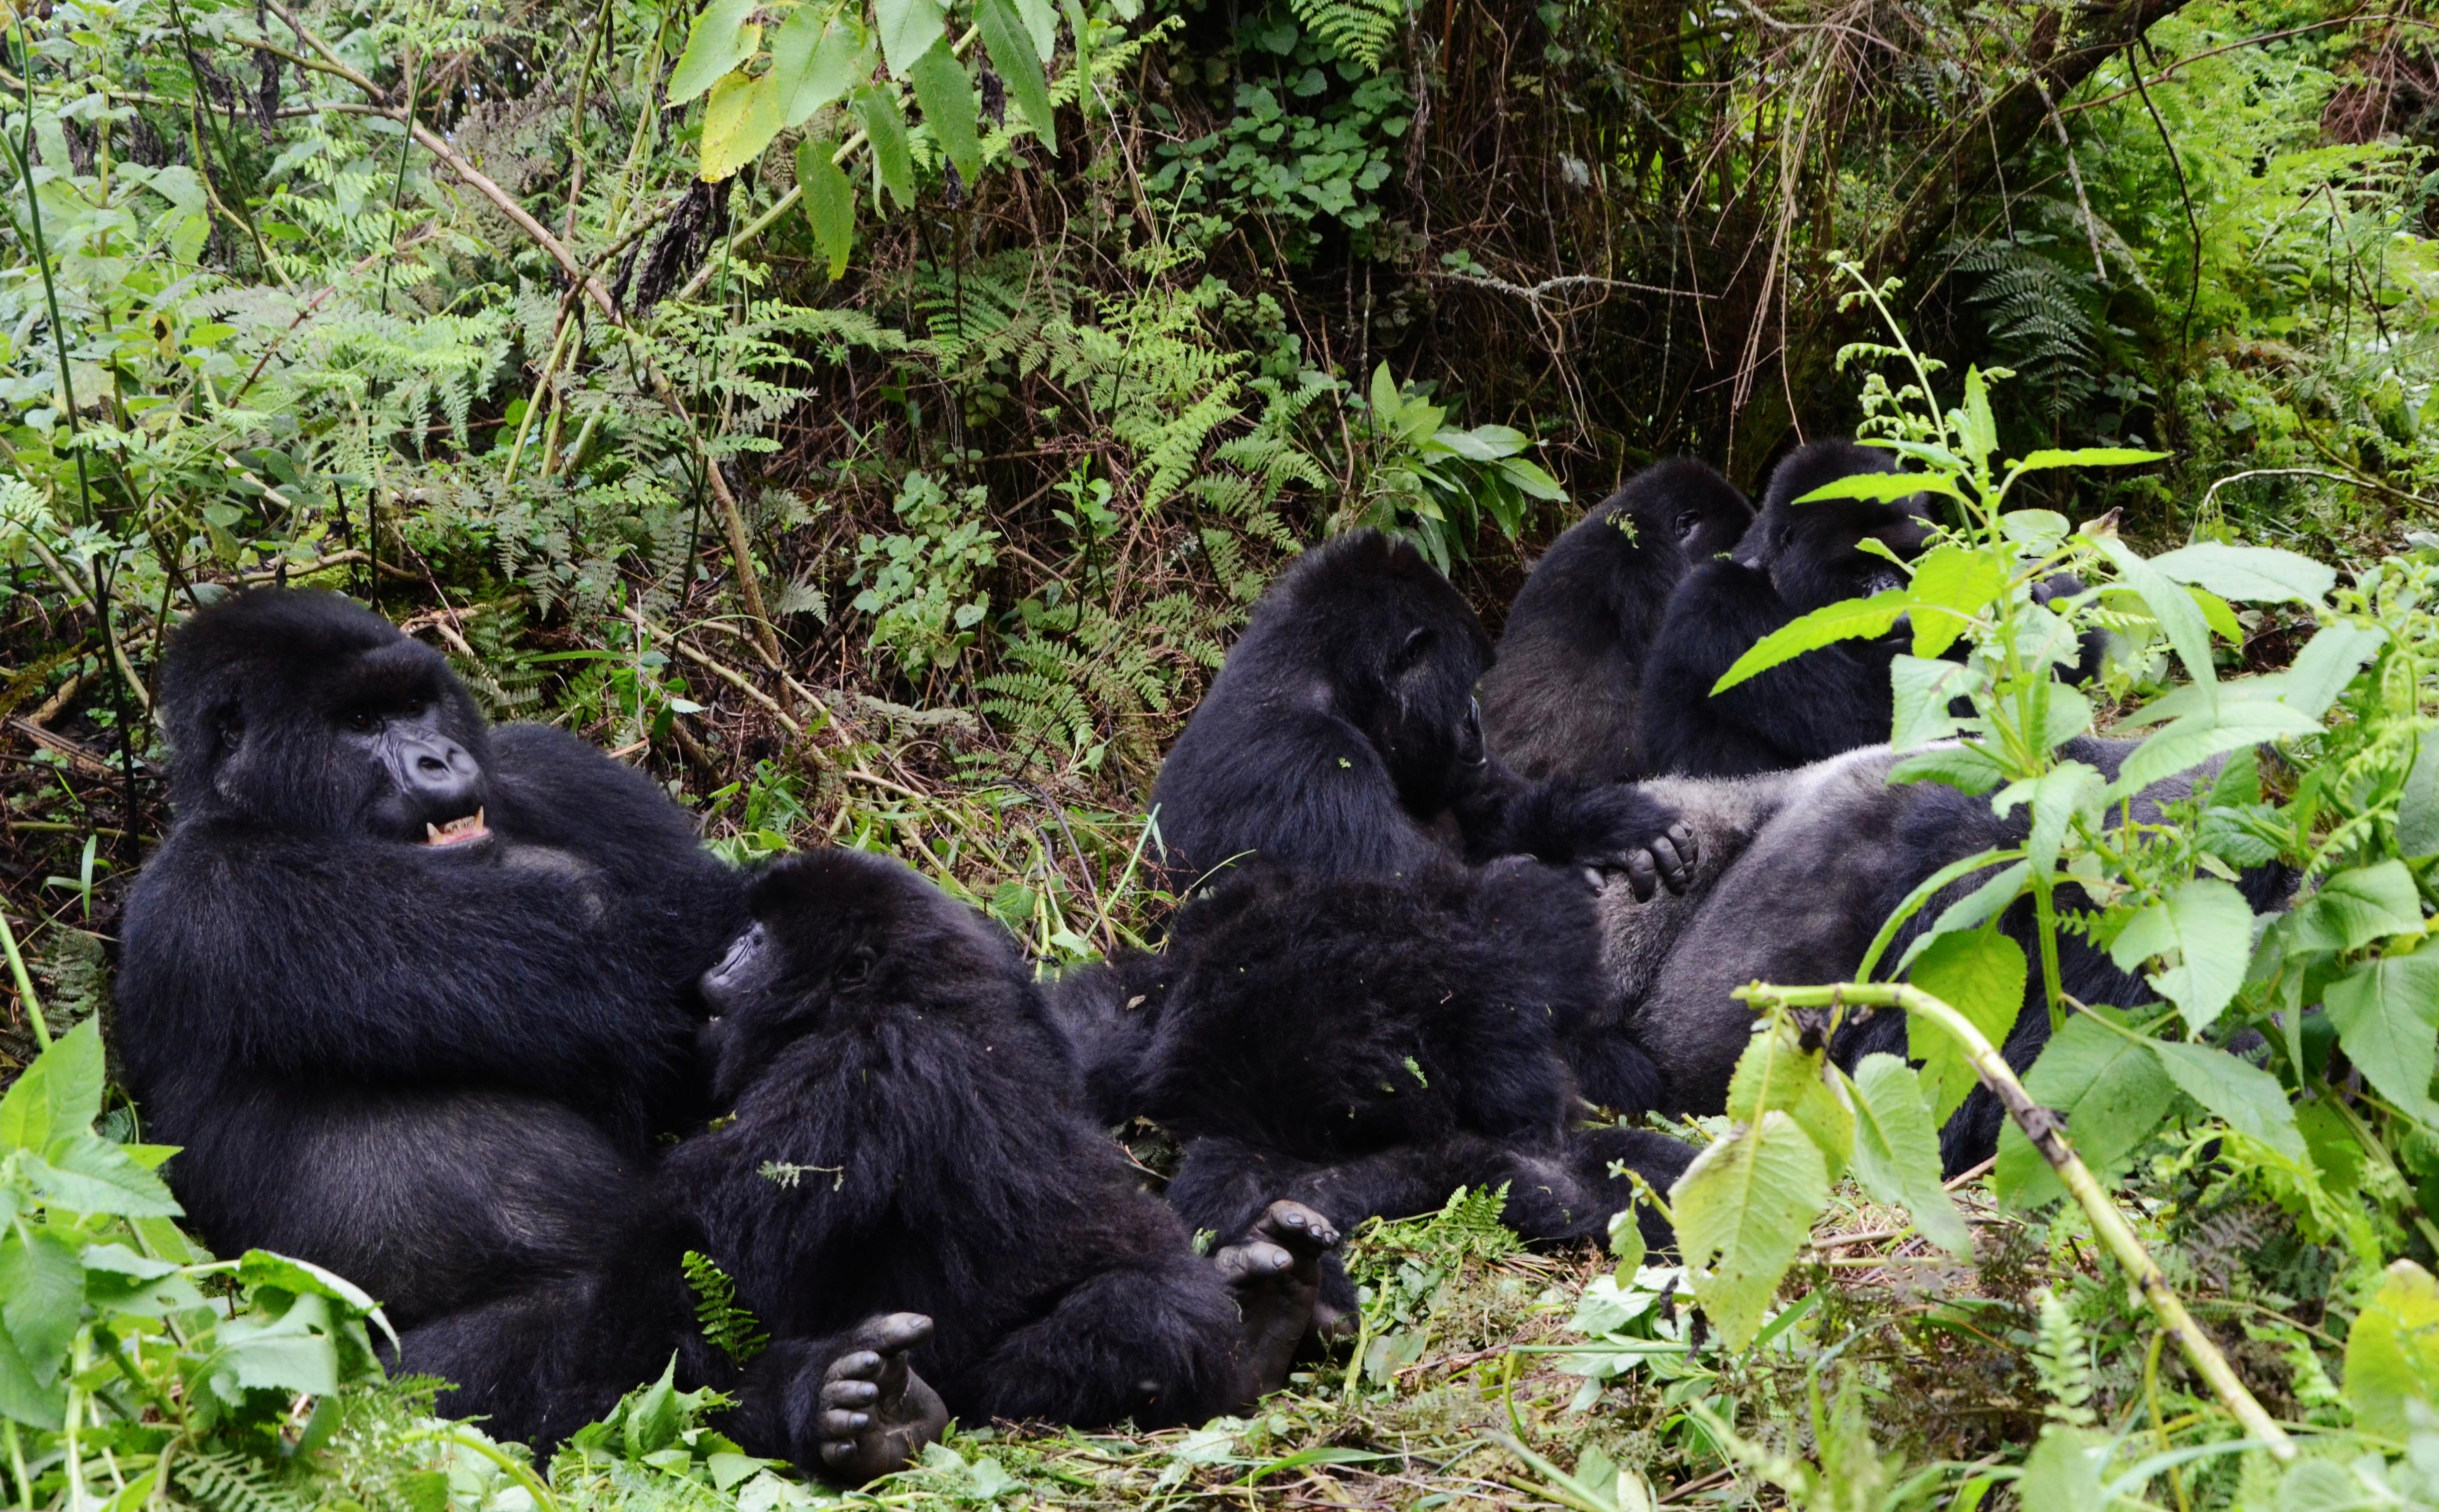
873, 1414
1276, 1271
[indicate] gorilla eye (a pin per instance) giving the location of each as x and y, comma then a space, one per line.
230, 728
857, 966
363, 720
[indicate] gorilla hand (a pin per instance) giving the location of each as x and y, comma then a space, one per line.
1624, 828
1275, 1270
874, 1413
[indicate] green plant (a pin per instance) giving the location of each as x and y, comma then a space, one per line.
1437, 483
919, 585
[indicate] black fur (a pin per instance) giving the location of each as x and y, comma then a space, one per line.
889, 1043
1340, 737
1795, 559
1559, 701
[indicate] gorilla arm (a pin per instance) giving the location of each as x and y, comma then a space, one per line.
1614, 826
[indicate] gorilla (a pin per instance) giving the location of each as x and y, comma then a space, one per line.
1764, 907
1366, 1045
912, 1120
416, 996
1342, 739
1559, 701
1795, 559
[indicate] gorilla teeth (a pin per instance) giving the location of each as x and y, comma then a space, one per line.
456, 831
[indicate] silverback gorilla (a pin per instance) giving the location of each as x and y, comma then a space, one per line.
1342, 739
416, 996
906, 1136
1559, 700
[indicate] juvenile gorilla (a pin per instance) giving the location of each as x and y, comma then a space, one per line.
912, 1117
414, 996
1366, 1045
1559, 701
1342, 739
1795, 559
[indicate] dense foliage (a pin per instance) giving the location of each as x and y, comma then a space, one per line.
874, 418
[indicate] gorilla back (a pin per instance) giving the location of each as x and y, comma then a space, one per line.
414, 994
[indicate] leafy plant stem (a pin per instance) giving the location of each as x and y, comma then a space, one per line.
2048, 1135
22, 154
33, 1004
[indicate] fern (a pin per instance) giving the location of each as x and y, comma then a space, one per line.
2061, 1359
734, 1330
2039, 315
1362, 30
228, 1481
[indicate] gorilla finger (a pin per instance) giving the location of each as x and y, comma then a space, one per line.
864, 1363
896, 1332
836, 1451
838, 1423
1642, 875
1252, 1261
849, 1393
1592, 878
1688, 846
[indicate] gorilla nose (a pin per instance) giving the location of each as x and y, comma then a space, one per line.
440, 772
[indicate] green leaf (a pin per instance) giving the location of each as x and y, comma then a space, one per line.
2088, 456
2069, 789
85, 1173
947, 96
2113, 1093
830, 201
1952, 585
2248, 1097
2180, 620
739, 121
1626, 1241
2216, 613
2251, 574
42, 1298
721, 38
2208, 926
1743, 1209
1923, 688
1775, 1075
2417, 807
891, 158
1977, 430
1961, 767
2039, 532
1484, 443
2387, 1014
1896, 1150
1843, 620
909, 31
25, 1399
2393, 1352
1882, 486
58, 1096
1980, 973
812, 63
1530, 478
2062, 1473
2326, 665
653, 1419
1041, 23
1013, 54
2185, 743
2356, 907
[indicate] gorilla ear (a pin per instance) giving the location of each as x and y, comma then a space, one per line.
1418, 643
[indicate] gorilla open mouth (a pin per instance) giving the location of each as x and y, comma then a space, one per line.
456, 831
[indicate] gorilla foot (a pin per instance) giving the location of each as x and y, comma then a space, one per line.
874, 1413
1275, 1270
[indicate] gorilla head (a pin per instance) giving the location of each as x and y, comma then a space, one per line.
1687, 498
1812, 551
306, 711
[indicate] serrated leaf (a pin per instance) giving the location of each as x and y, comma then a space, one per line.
1972, 911
2039, 532
720, 39
85, 1173
1980, 974
2250, 574
1013, 54
2088, 456
1743, 1209
2185, 743
1041, 23
59, 1094
891, 158
2062, 1473
1922, 688
2326, 665
1977, 429
812, 63
2417, 807
1775, 1075
2180, 620
909, 29
2216, 613
2113, 1093
2208, 926
1881, 485
2393, 1352
1626, 1243
830, 201
2247, 1097
2069, 789
947, 96
42, 1298
25, 1399
2387, 1014
739, 121
1845, 620
1961, 767
1896, 1150
2356, 907
1952, 585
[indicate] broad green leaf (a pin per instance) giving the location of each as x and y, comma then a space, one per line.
292, 1348
1743, 1209
1970, 912
2062, 1473
812, 63
1961, 767
58, 1096
1484, 443
85, 1173
2180, 618
947, 96
2037, 531
25, 1399
2387, 1014
261, 1268
2216, 613
2393, 1351
1980, 973
739, 121
2088, 456
2251, 574
2208, 926
1041, 23
1626, 1243
1896, 1150
1977, 430
42, 1298
2417, 807
721, 38
1775, 1075
1843, 620
1013, 54
830, 201
2185, 743
1923, 687
2056, 796
653, 1422
2326, 665
891, 158
1952, 585
2113, 1093
909, 29
2356, 907
1530, 478
2248, 1097
1882, 486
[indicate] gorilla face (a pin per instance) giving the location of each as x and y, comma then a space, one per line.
305, 712
1427, 725
1823, 559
